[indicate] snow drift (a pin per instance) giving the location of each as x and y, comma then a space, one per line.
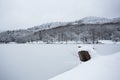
45, 61
100, 68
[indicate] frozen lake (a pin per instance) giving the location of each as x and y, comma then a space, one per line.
34, 61
41, 61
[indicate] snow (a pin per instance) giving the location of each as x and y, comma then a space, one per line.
47, 26
99, 68
89, 49
102, 68
105, 41
35, 61
95, 20
36, 42
85, 20
45, 61
116, 19
98, 20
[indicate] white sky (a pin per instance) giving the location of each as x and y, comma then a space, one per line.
19, 14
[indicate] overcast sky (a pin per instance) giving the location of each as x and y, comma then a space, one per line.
19, 14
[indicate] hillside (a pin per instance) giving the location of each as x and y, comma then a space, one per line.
85, 30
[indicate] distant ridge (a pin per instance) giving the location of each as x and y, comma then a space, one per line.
85, 30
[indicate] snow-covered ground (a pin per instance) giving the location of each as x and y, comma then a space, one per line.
35, 61
45, 61
107, 42
101, 67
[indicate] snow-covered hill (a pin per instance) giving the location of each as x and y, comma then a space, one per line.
47, 26
116, 19
86, 20
94, 20
105, 29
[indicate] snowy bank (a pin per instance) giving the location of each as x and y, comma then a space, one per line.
100, 68
45, 61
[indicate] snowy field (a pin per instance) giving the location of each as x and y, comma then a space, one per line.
45, 61
104, 65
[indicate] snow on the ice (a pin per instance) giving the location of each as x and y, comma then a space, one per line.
45, 61
35, 61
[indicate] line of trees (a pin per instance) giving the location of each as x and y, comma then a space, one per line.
85, 33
